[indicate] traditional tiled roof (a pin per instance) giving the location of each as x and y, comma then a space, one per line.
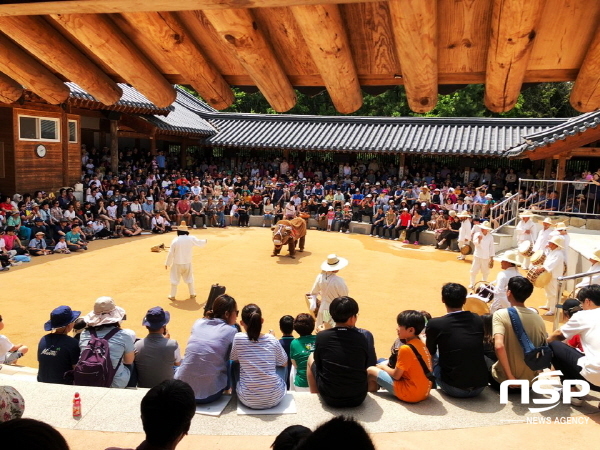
569, 127
437, 136
131, 101
184, 118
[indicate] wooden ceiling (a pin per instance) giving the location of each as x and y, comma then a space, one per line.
277, 45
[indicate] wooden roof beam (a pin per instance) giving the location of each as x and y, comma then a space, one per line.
323, 30
415, 30
178, 46
29, 72
43, 41
10, 90
585, 95
514, 27
248, 44
119, 6
109, 43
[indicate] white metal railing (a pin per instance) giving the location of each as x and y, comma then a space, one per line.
559, 290
571, 198
504, 213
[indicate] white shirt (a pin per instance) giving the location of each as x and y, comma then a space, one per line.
555, 263
542, 240
565, 249
464, 233
158, 221
500, 287
181, 249
591, 279
522, 229
587, 325
485, 248
474, 230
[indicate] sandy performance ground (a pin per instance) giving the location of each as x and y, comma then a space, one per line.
385, 277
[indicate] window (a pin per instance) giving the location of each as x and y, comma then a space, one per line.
38, 129
72, 132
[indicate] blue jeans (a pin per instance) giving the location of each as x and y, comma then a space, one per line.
451, 390
221, 219
385, 381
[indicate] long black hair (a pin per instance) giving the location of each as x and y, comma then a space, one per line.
222, 305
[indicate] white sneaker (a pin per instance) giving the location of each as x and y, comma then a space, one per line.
194, 227
549, 313
204, 226
470, 286
348, 232
576, 401
341, 231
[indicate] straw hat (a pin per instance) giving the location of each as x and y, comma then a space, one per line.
510, 256
561, 226
333, 263
183, 226
548, 220
595, 255
452, 213
105, 312
463, 214
486, 226
559, 241
526, 213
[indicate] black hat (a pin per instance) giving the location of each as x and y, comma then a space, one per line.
570, 306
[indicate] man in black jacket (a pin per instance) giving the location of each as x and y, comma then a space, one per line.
460, 369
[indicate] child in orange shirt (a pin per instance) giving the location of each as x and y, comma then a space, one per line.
407, 379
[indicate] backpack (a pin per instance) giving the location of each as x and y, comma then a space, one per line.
94, 367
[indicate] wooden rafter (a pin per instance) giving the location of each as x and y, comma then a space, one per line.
176, 43
48, 45
249, 45
22, 67
513, 31
105, 40
415, 29
10, 90
585, 95
324, 33
561, 146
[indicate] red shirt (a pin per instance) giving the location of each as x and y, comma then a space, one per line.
9, 240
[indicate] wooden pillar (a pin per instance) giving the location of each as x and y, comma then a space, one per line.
114, 146
561, 170
137, 143
183, 154
153, 144
64, 132
286, 154
547, 168
102, 142
401, 164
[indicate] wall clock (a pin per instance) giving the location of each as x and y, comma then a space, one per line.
40, 150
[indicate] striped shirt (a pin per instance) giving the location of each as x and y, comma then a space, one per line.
259, 386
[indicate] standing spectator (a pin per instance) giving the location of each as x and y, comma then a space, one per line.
206, 366
58, 352
346, 218
261, 384
156, 354
457, 338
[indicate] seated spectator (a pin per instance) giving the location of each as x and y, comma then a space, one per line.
12, 405
167, 412
417, 225
57, 351
457, 339
407, 380
31, 434
61, 246
9, 352
337, 370
301, 348
12, 242
37, 246
260, 384
206, 364
290, 437
286, 326
339, 432
104, 318
159, 224
571, 362
75, 240
130, 226
100, 229
156, 354
511, 360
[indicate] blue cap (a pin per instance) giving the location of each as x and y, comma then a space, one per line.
61, 317
156, 318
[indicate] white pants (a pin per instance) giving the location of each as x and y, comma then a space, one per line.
525, 261
550, 290
184, 271
479, 265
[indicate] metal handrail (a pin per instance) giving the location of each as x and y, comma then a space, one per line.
567, 190
559, 291
514, 207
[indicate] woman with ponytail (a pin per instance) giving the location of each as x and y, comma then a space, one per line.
260, 384
206, 366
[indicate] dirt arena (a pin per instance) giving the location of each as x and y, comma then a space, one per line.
385, 277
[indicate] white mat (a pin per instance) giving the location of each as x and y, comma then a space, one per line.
215, 408
286, 406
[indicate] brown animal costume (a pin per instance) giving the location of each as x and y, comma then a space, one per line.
289, 232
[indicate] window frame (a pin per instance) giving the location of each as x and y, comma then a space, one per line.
38, 128
69, 121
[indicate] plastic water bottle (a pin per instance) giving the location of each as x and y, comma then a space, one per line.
76, 406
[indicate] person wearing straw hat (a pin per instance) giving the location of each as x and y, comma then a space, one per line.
594, 258
561, 230
508, 263
554, 265
329, 285
57, 351
544, 235
525, 232
180, 260
483, 253
464, 232
37, 246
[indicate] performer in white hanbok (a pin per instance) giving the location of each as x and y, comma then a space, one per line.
483, 252
525, 233
591, 279
554, 265
561, 230
464, 233
329, 286
509, 264
544, 235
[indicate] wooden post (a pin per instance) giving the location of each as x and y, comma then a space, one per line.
585, 94
153, 143
138, 143
401, 164
114, 146
64, 137
547, 168
183, 154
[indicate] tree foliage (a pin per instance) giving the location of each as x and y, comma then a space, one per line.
541, 100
